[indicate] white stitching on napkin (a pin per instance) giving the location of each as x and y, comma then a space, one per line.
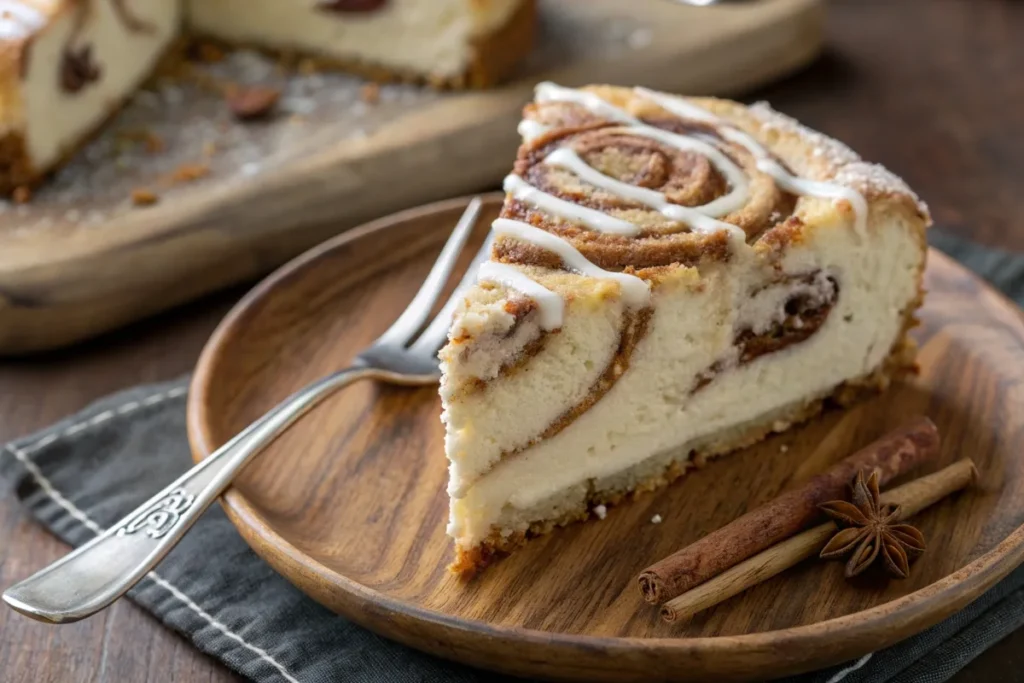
100, 418
160, 581
22, 454
840, 675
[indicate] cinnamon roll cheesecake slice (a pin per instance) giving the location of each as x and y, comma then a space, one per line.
671, 279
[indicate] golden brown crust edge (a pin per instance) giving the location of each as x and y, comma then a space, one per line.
15, 166
899, 362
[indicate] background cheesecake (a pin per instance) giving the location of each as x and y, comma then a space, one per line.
671, 279
448, 43
66, 66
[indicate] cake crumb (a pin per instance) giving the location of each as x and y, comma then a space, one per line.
656, 519
22, 195
252, 102
154, 143
187, 173
209, 53
150, 141
601, 511
143, 197
783, 448
370, 93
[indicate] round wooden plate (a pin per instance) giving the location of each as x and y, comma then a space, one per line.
350, 504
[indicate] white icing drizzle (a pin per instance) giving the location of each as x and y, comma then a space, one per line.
816, 188
550, 305
678, 106
17, 19
737, 179
566, 158
596, 220
635, 292
765, 163
531, 130
738, 182
549, 92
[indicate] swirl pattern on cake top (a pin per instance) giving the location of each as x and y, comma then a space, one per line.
637, 179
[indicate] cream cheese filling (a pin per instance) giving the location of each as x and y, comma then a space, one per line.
652, 409
55, 120
432, 37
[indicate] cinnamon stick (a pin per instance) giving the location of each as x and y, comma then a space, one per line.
912, 497
896, 453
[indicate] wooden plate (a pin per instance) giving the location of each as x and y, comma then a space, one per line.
350, 505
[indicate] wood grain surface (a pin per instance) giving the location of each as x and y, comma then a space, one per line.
928, 87
351, 505
65, 281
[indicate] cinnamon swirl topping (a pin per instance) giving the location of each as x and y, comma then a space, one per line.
656, 181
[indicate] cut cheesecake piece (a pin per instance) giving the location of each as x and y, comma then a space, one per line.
65, 67
671, 279
449, 43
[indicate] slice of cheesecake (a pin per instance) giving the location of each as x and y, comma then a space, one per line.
672, 279
448, 43
65, 67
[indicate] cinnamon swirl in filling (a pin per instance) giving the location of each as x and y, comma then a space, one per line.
670, 277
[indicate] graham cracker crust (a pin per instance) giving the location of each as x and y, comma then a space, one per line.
900, 362
15, 166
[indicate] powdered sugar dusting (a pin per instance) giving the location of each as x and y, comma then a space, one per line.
830, 150
877, 180
842, 164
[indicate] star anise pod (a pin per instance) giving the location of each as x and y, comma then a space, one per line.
869, 530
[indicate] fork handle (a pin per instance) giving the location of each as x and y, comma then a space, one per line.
99, 572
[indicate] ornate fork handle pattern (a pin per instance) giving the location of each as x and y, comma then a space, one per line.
162, 517
93, 576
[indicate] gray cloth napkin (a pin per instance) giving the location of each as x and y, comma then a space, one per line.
86, 472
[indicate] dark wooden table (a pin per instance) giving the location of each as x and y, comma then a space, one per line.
934, 89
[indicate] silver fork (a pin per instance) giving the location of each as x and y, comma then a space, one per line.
90, 578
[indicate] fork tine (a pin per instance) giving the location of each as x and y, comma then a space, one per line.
416, 313
433, 337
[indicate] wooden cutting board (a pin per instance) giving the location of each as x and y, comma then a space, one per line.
81, 259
